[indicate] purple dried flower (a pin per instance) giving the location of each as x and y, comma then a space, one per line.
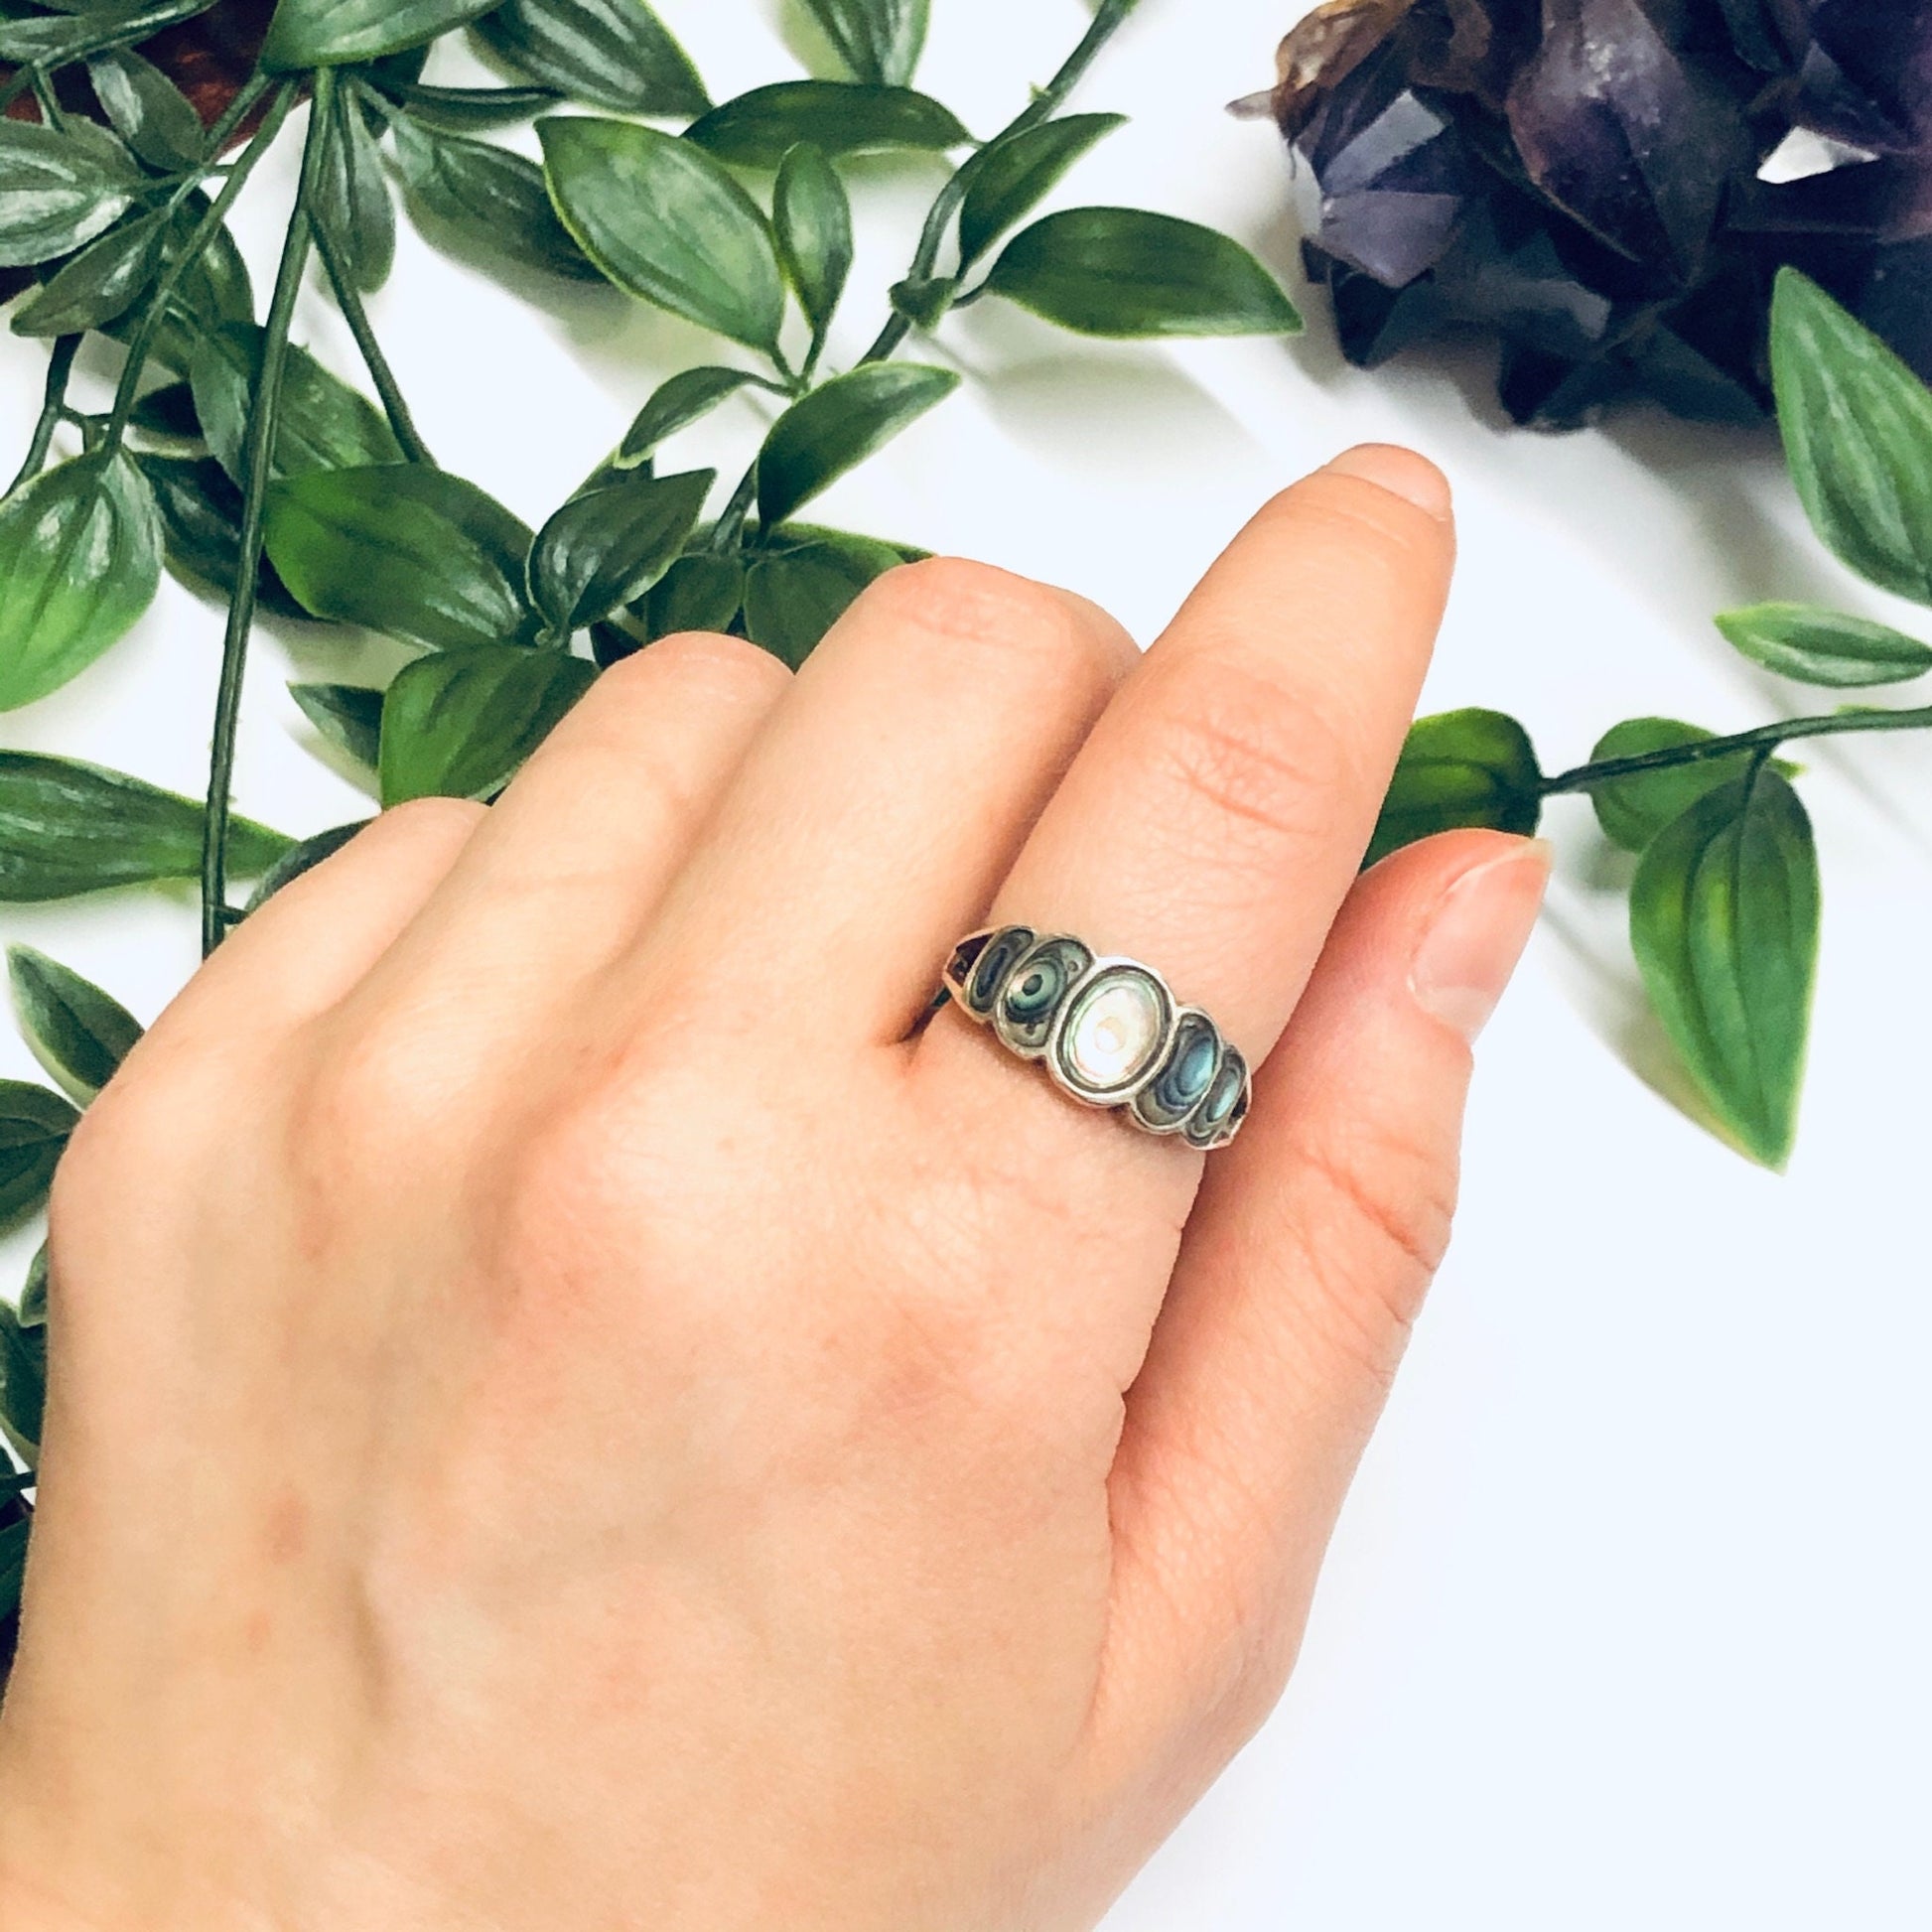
1609, 186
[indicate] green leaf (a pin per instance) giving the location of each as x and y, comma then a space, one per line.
604, 550
323, 424
333, 33
22, 1406
213, 289
14, 1538
877, 39
200, 522
34, 1129
1118, 271
100, 283
348, 715
1012, 177
839, 425
50, 44
697, 593
664, 220
33, 1292
79, 1034
813, 219
1461, 768
79, 562
458, 725
1857, 435
676, 405
168, 411
758, 129
1818, 646
353, 195
1634, 810
403, 549
67, 828
487, 201
614, 53
302, 858
147, 110
469, 110
13, 1563
795, 596
59, 189
1724, 916
402, 70
798, 536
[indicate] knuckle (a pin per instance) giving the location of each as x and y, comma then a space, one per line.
427, 821
582, 1181
109, 1141
1253, 755
976, 604
371, 1112
1367, 520
729, 666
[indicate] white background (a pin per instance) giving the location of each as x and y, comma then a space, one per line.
1626, 1624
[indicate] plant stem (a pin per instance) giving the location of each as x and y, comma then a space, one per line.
257, 459
141, 346
1046, 102
232, 117
725, 531
1107, 21
349, 299
52, 409
51, 112
1765, 740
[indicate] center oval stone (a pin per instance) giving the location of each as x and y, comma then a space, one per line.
1114, 1033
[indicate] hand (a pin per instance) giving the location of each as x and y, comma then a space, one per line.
574, 1405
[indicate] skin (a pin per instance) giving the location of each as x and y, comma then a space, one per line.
575, 1408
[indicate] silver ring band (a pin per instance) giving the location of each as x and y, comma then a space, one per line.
1108, 1032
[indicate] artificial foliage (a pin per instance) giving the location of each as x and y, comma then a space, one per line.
232, 458
1609, 188
1724, 893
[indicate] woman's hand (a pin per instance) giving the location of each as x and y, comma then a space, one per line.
573, 1408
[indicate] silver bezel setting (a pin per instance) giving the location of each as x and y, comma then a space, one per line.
1004, 1027
1089, 982
995, 937
1122, 1099
1165, 1129
1195, 1129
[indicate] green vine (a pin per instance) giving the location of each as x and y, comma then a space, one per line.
235, 459
1725, 894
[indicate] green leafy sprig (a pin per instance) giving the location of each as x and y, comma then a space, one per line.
1724, 898
235, 458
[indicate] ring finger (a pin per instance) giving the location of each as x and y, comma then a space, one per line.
1215, 818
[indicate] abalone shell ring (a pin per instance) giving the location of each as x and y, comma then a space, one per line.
1107, 1031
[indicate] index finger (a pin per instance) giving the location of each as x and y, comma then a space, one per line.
1216, 815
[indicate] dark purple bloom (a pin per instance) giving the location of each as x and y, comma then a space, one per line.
1609, 186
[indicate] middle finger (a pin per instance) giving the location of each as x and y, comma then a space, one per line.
1217, 816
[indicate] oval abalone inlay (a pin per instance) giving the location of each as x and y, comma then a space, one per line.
1003, 952
1183, 1077
1034, 990
1216, 1118
1113, 1034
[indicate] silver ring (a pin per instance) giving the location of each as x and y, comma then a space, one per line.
1108, 1030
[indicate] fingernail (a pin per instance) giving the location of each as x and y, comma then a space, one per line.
1474, 943
1412, 478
